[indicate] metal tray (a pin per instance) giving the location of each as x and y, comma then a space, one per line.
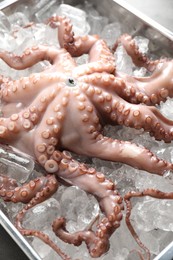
141, 25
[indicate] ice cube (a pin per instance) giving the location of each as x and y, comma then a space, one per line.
78, 208
168, 175
123, 61
150, 242
18, 18
40, 4
142, 43
44, 250
46, 11
141, 72
18, 165
143, 212
146, 180
77, 16
97, 22
42, 215
166, 108
5, 25
122, 241
82, 59
111, 32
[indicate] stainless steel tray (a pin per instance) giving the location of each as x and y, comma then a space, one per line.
141, 25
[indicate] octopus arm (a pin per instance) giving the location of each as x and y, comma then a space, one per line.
132, 194
110, 202
125, 152
101, 60
10, 191
62, 164
32, 193
150, 90
8, 127
106, 82
148, 118
30, 56
13, 124
75, 45
4, 79
7, 183
26, 88
115, 110
132, 49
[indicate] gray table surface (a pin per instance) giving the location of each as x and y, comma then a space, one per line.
159, 10
8, 248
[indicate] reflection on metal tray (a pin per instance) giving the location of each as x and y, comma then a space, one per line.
141, 25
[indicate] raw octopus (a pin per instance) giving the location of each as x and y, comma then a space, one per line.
64, 109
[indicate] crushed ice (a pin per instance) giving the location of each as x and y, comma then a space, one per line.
79, 208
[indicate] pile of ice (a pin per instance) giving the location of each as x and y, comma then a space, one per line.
152, 218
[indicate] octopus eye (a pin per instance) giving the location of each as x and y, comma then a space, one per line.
71, 82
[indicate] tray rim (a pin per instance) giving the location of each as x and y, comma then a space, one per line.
6, 3
18, 237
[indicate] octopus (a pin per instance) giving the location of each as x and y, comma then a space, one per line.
64, 109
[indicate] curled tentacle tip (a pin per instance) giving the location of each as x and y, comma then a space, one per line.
58, 223
100, 247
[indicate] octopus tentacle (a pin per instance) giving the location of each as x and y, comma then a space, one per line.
150, 90
16, 124
75, 45
4, 80
96, 145
65, 33
48, 134
133, 232
10, 191
148, 192
96, 245
105, 81
100, 55
26, 88
9, 127
93, 182
6, 183
138, 58
101, 52
132, 89
26, 119
31, 56
137, 116
100, 60
110, 202
45, 238
33, 193
125, 152
148, 118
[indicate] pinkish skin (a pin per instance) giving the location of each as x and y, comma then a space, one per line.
65, 107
